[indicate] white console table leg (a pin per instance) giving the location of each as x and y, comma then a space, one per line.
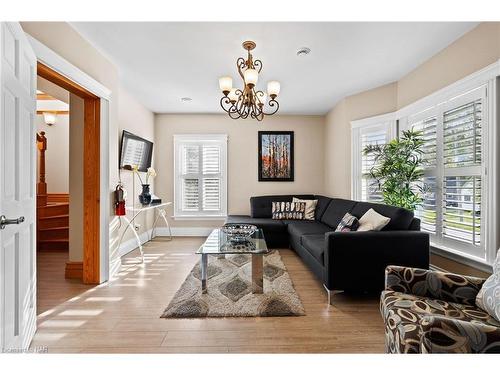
163, 214
129, 225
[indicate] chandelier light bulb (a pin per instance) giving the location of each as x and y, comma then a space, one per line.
273, 89
225, 84
251, 77
233, 97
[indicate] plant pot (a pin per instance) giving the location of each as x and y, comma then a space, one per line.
145, 196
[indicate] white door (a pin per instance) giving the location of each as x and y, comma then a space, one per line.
17, 189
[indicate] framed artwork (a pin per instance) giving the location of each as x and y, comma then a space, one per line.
276, 156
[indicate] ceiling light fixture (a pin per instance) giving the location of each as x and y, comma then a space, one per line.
186, 99
239, 103
49, 118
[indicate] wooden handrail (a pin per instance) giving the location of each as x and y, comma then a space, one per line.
41, 187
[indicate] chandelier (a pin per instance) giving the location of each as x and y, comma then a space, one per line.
241, 103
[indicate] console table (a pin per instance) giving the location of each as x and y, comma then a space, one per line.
160, 211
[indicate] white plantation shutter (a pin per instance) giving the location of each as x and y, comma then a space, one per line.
190, 194
200, 175
369, 187
426, 212
462, 171
462, 209
454, 174
462, 135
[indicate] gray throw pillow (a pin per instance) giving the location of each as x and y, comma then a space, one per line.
488, 298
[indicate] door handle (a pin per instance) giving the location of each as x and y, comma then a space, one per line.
4, 221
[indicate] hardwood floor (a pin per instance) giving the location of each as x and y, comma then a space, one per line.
122, 316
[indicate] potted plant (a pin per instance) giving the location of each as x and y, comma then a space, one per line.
398, 169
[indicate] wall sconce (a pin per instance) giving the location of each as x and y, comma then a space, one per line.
49, 118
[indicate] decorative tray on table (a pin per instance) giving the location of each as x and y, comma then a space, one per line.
239, 233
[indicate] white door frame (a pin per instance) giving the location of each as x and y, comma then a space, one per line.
60, 65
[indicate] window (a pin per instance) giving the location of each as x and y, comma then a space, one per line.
200, 175
369, 187
426, 122
452, 211
376, 131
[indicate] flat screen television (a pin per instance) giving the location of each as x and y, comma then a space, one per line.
135, 150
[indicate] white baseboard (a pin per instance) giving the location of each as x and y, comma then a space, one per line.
131, 244
184, 231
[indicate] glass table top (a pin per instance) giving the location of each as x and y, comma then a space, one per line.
218, 243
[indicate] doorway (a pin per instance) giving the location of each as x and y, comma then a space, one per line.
90, 264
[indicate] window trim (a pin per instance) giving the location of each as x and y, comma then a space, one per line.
178, 140
387, 121
489, 77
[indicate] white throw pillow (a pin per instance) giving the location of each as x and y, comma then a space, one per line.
488, 298
310, 207
372, 220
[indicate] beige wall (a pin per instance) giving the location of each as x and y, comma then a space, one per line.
473, 51
337, 141
57, 154
135, 118
66, 42
242, 156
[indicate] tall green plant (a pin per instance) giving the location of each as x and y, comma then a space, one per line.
398, 169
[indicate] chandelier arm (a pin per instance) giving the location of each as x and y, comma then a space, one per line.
224, 102
240, 64
239, 103
234, 115
257, 95
273, 103
257, 65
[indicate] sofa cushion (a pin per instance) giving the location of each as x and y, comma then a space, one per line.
315, 244
336, 210
402, 313
401, 218
261, 207
300, 227
321, 206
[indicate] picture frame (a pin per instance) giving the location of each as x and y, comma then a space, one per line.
276, 156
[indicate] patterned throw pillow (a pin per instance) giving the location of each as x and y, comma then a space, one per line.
488, 298
349, 223
310, 207
289, 210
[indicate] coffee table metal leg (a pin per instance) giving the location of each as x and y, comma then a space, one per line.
257, 274
204, 271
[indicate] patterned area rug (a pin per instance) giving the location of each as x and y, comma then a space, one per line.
230, 290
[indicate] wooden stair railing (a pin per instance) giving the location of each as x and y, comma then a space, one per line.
52, 209
41, 187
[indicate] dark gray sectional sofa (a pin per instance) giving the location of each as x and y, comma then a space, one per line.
347, 261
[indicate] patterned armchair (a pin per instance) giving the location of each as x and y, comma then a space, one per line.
435, 312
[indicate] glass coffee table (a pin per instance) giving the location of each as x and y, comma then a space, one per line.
218, 244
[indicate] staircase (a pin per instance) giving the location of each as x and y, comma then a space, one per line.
52, 210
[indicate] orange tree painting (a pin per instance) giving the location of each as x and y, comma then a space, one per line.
275, 156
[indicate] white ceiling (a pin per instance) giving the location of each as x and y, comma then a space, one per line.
161, 62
